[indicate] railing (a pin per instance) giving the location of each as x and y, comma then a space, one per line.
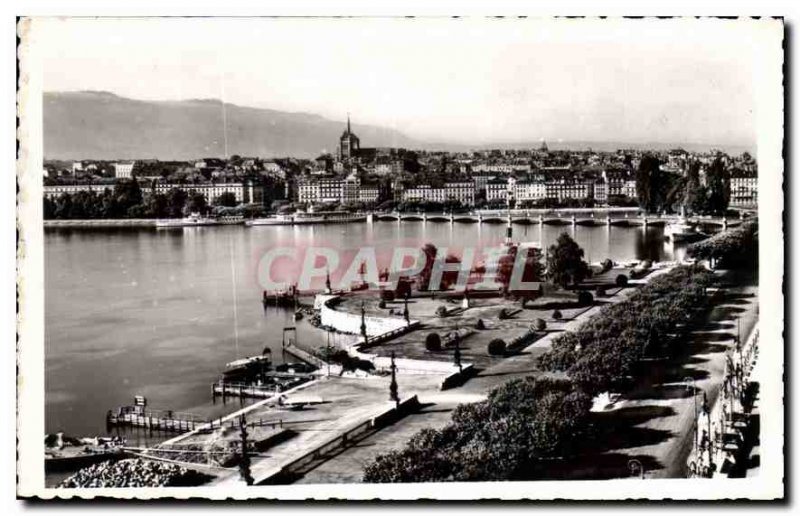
353, 434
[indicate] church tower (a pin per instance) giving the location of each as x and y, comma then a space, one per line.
349, 143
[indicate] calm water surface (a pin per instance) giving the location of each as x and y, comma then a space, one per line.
159, 313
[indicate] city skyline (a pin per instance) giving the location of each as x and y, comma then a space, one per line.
523, 84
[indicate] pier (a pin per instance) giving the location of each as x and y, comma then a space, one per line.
279, 383
163, 420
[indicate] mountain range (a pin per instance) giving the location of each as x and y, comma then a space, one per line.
103, 125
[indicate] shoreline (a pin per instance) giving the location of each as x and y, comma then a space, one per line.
100, 223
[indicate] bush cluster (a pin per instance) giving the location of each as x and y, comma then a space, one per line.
731, 245
513, 434
433, 342
603, 353
496, 347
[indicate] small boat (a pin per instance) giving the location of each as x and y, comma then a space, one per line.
195, 219
680, 230
247, 369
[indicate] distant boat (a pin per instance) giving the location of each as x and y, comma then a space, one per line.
195, 219
300, 218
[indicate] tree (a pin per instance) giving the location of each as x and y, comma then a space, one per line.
718, 180
158, 205
429, 250
694, 198
648, 179
532, 269
227, 199
128, 193
176, 198
196, 204
565, 263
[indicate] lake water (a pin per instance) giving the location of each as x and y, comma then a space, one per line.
159, 312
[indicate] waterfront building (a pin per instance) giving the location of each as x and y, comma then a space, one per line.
462, 191
527, 190
244, 192
497, 190
54, 191
368, 194
744, 188
567, 189
424, 193
347, 190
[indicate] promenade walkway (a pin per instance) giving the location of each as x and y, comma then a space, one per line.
651, 424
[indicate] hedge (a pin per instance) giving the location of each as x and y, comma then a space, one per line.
602, 354
522, 426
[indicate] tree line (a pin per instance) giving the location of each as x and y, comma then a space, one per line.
125, 200
605, 352
658, 190
733, 247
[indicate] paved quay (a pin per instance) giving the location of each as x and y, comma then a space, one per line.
654, 423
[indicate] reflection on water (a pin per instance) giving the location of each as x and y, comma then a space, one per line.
139, 311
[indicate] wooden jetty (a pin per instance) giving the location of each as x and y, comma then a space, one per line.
279, 383
163, 420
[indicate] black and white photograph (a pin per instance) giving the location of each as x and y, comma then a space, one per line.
400, 258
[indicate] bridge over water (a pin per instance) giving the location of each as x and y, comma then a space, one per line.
579, 217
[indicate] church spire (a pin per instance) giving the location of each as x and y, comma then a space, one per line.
348, 122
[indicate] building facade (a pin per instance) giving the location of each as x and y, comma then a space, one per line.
245, 193
124, 170
744, 188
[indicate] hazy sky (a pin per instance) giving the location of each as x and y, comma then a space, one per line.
467, 80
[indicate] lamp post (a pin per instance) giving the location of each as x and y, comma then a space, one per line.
707, 435
457, 351
393, 396
328, 353
363, 323
690, 383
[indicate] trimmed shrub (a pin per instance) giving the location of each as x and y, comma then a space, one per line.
503, 314
557, 315
585, 298
539, 325
480, 325
381, 304
621, 281
433, 342
441, 311
497, 347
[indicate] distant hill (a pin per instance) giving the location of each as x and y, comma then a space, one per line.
101, 125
